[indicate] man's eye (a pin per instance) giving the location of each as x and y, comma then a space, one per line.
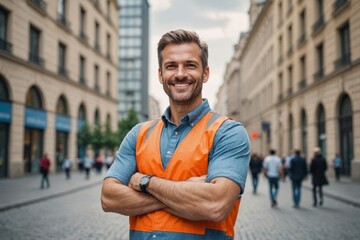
191, 66
169, 67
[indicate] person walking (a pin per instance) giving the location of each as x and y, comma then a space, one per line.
318, 167
44, 170
272, 168
255, 170
297, 173
67, 167
180, 176
88, 163
336, 162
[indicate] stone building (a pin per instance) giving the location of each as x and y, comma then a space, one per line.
300, 79
58, 70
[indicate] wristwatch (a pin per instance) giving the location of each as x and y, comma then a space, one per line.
144, 182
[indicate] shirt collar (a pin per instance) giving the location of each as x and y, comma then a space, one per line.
192, 117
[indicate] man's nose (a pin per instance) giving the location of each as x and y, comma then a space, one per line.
181, 72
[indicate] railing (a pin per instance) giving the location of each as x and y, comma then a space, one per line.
62, 19
40, 4
302, 39
344, 60
63, 71
319, 74
339, 4
5, 45
318, 24
83, 36
302, 84
35, 58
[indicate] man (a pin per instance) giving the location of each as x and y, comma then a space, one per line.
298, 172
336, 162
318, 167
180, 177
272, 170
255, 169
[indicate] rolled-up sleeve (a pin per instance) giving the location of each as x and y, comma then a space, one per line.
230, 154
124, 165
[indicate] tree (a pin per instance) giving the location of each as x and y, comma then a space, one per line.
127, 124
110, 138
97, 139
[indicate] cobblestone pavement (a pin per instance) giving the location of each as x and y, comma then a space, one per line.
79, 216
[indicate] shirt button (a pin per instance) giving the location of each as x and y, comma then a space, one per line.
176, 133
168, 152
154, 236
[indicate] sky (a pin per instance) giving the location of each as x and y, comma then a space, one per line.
218, 23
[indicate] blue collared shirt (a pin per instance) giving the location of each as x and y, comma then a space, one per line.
229, 156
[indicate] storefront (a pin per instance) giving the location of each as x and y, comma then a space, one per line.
63, 127
5, 119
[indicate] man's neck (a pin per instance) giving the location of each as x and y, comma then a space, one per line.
178, 111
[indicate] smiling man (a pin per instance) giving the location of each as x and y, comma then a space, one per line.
180, 176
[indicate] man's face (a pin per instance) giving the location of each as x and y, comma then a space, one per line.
182, 73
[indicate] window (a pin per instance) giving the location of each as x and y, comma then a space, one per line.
319, 8
97, 117
108, 8
321, 130
34, 54
290, 40
61, 106
302, 82
302, 27
61, 9
291, 127
280, 87
108, 84
82, 23
303, 133
96, 37
319, 62
290, 76
4, 44
82, 70
344, 40
62, 59
280, 60
108, 46
280, 9
82, 112
96, 75
33, 98
4, 92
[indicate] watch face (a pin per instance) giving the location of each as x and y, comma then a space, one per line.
144, 181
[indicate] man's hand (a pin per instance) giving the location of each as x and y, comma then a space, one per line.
134, 182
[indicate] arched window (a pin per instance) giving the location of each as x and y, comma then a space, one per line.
61, 107
291, 126
4, 91
82, 112
108, 119
33, 98
97, 117
303, 133
321, 129
346, 133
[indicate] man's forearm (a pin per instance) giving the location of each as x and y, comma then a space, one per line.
119, 198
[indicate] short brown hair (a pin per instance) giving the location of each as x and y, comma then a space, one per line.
180, 36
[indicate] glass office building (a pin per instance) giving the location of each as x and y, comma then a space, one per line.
133, 57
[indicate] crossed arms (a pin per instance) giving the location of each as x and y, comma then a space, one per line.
193, 199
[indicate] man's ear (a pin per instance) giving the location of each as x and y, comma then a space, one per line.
160, 76
206, 74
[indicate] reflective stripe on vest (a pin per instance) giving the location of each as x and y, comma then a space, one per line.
189, 159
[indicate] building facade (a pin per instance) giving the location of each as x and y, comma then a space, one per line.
58, 70
133, 79
300, 79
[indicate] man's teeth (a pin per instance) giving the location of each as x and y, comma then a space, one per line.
181, 85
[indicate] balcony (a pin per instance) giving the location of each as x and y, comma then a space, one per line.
302, 40
63, 21
38, 5
302, 84
319, 74
82, 80
289, 91
339, 5
318, 25
83, 36
63, 71
5, 45
290, 51
36, 59
344, 60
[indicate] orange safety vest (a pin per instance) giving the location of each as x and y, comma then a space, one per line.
189, 159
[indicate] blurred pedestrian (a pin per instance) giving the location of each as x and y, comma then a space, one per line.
336, 163
109, 160
99, 164
272, 168
44, 170
318, 167
67, 167
88, 163
255, 169
297, 173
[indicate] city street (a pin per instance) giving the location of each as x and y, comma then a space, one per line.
78, 215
